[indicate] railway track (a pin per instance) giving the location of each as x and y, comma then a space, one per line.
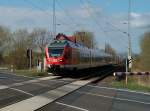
35, 93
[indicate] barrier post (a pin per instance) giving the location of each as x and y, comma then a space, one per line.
126, 71
11, 69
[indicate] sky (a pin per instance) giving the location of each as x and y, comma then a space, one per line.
107, 19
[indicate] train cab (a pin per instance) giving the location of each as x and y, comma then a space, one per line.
57, 54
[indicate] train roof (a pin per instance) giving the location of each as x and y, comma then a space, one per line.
61, 36
58, 43
63, 43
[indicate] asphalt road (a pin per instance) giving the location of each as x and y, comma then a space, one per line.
92, 97
6, 79
15, 88
97, 98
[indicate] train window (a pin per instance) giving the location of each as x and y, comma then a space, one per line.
55, 52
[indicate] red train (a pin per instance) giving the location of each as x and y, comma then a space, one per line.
66, 53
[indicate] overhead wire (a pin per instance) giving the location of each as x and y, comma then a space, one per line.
109, 23
68, 15
34, 5
93, 18
73, 21
44, 10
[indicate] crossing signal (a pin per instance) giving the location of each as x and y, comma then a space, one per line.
29, 53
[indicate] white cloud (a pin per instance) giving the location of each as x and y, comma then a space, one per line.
135, 15
140, 20
25, 17
86, 11
14, 17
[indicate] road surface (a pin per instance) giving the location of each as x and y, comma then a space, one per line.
91, 97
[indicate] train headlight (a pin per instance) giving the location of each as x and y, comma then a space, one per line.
60, 60
49, 66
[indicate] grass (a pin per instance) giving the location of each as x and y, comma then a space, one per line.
31, 73
134, 83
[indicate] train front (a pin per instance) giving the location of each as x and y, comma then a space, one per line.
55, 55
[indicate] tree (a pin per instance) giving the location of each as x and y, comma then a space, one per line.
86, 38
4, 35
109, 49
136, 61
17, 55
145, 52
4, 41
14, 45
41, 38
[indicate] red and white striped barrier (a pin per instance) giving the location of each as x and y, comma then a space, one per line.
130, 73
122, 75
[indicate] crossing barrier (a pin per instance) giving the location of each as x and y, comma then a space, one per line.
122, 75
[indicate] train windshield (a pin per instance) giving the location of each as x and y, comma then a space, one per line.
55, 52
